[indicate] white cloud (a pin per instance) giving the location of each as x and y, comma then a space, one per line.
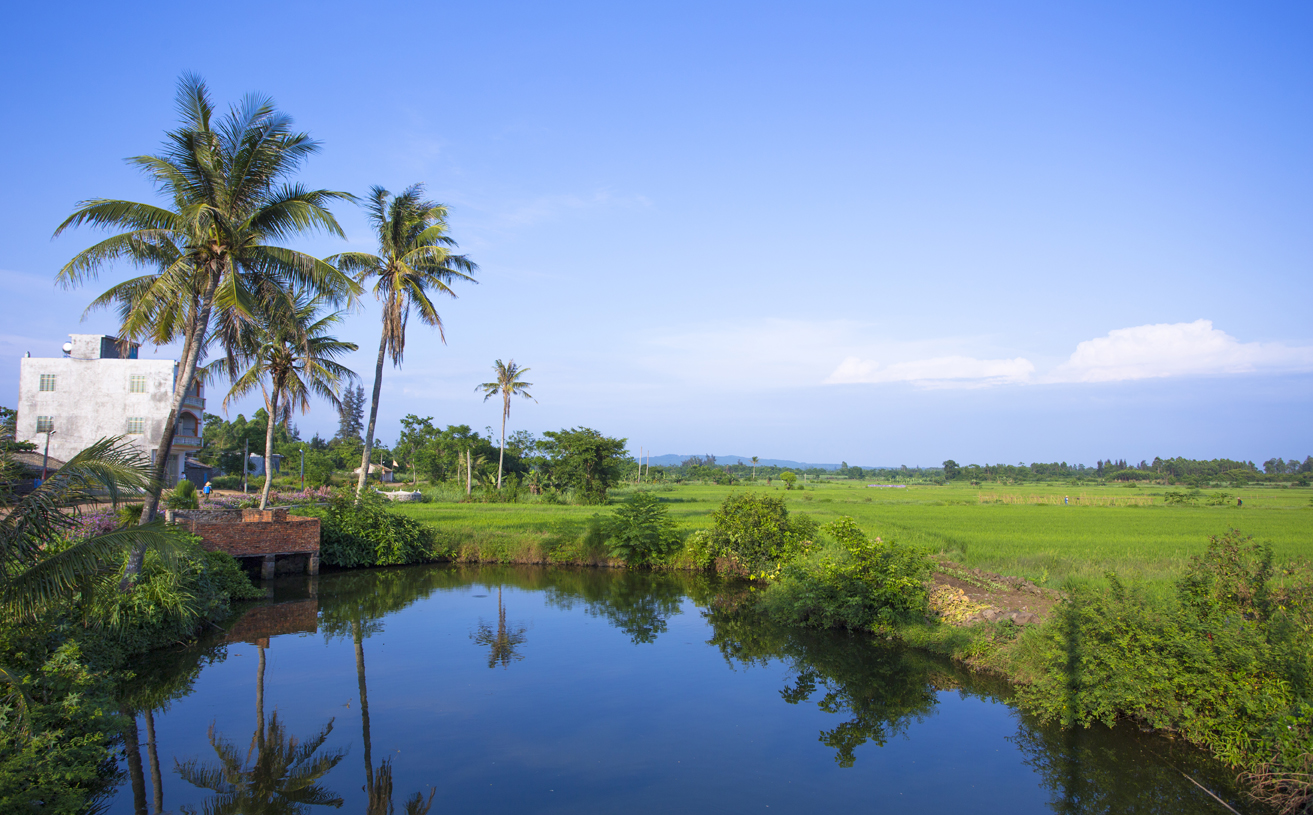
941, 372
1141, 352
1175, 349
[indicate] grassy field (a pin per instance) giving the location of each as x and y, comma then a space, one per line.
1021, 530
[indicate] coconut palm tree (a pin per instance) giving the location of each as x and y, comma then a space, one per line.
508, 384
754, 468
414, 262
288, 355
212, 247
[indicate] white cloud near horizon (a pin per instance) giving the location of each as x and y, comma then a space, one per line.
1124, 354
1176, 349
949, 371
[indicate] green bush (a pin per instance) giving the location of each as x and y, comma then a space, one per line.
1226, 661
183, 496
640, 530
368, 533
226, 482
850, 581
57, 746
59, 735
756, 530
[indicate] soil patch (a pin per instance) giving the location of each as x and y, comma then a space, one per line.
965, 596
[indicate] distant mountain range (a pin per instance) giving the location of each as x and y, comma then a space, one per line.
671, 459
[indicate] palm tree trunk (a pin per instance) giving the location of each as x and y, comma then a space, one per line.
186, 375
373, 414
153, 755
364, 704
269, 448
259, 702
132, 742
501, 454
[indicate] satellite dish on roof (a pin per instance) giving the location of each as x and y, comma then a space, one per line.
68, 348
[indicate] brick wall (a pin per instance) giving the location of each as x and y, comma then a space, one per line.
262, 622
259, 532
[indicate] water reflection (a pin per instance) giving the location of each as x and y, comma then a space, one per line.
502, 642
279, 773
355, 604
869, 693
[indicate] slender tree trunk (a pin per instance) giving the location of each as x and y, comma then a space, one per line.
132, 742
269, 449
373, 414
153, 755
186, 375
501, 454
364, 704
259, 702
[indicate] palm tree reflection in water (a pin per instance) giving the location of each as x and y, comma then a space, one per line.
279, 774
501, 643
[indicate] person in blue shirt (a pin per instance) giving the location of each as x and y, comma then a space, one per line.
206, 490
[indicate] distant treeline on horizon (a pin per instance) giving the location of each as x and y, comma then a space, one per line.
1173, 470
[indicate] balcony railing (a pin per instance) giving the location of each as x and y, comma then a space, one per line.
191, 442
193, 401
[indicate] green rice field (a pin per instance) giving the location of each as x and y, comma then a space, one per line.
1020, 530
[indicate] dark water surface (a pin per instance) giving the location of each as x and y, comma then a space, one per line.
525, 689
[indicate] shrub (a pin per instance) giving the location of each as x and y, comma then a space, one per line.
366, 532
183, 496
756, 530
640, 530
1226, 661
850, 582
226, 482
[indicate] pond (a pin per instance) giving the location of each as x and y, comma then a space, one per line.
528, 689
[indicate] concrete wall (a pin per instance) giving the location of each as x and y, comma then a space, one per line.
92, 399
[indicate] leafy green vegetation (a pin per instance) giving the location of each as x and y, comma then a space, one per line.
365, 532
640, 531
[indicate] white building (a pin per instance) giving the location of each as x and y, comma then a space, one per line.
99, 388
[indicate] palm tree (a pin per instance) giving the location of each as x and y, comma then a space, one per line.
508, 384
754, 468
210, 249
289, 354
414, 260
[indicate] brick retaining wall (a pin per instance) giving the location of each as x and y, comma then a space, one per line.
256, 532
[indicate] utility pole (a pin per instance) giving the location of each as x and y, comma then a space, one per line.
302, 468
45, 457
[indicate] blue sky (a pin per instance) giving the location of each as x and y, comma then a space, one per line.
884, 233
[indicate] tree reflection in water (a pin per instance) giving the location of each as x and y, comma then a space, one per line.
880, 690
501, 643
1096, 772
279, 773
638, 603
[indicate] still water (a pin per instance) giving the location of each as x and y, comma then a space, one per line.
526, 689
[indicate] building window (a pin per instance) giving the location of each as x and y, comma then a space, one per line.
137, 383
47, 382
45, 424
136, 425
